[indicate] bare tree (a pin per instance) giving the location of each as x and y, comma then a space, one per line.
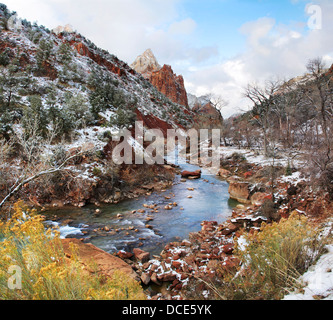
288, 98
37, 159
21, 182
322, 95
264, 99
217, 101
319, 94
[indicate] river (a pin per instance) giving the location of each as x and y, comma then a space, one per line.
210, 201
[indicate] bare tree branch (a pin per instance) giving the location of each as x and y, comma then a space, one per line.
17, 187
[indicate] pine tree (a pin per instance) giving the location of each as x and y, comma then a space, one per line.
43, 54
11, 80
102, 94
78, 110
123, 118
5, 125
4, 58
65, 54
4, 16
35, 116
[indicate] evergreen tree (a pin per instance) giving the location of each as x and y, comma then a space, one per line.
123, 118
102, 94
4, 16
5, 125
4, 58
125, 115
11, 81
43, 54
65, 54
35, 117
77, 110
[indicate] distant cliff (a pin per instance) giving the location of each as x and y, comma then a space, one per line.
163, 79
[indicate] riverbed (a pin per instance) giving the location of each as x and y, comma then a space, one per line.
121, 227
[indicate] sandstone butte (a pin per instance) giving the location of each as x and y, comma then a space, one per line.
171, 85
163, 79
206, 116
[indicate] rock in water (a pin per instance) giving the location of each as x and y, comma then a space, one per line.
188, 174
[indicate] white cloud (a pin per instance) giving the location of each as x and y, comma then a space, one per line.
273, 50
124, 27
184, 27
257, 31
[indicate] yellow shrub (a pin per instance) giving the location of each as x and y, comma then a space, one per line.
45, 272
272, 260
277, 255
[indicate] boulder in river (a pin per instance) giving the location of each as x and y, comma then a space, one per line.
193, 175
141, 255
240, 190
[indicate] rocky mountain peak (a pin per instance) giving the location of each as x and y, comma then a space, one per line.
197, 102
206, 114
162, 78
146, 63
170, 84
67, 28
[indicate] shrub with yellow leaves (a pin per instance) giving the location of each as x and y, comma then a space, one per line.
45, 272
272, 259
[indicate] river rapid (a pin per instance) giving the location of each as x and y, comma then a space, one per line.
205, 199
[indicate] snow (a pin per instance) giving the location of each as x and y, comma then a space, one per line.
205, 294
294, 179
318, 280
255, 157
242, 243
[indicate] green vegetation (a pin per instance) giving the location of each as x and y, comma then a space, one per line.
44, 53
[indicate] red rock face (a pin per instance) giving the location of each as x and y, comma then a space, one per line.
83, 50
152, 122
207, 117
171, 85
105, 263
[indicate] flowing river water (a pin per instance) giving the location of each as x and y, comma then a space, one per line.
210, 201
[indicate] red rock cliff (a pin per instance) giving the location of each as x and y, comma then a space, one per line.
171, 85
163, 79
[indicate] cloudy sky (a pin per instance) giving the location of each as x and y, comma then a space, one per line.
219, 46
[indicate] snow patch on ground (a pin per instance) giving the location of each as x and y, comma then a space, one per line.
318, 280
294, 179
255, 157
